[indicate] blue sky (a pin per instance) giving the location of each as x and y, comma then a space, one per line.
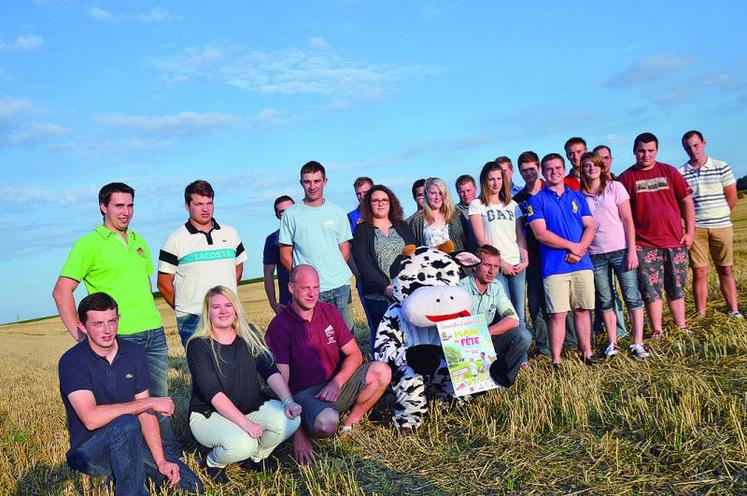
241, 93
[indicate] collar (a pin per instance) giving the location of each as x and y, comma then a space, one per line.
292, 313
96, 356
106, 233
475, 290
193, 230
552, 192
708, 163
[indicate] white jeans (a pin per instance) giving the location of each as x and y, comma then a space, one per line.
231, 444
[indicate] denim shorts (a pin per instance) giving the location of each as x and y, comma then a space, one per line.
618, 261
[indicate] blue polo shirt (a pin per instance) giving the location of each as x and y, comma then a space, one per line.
562, 215
271, 256
354, 218
82, 369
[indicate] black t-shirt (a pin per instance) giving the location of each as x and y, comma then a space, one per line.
235, 374
522, 198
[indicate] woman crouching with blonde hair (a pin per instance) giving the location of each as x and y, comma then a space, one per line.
226, 411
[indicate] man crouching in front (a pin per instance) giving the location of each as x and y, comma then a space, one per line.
111, 417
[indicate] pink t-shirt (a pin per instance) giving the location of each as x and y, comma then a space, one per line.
310, 349
610, 235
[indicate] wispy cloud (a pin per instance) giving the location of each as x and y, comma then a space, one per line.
185, 123
156, 14
38, 132
648, 69
25, 43
316, 70
271, 117
12, 111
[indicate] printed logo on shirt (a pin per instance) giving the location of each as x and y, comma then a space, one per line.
530, 211
574, 206
129, 376
330, 333
140, 252
651, 185
499, 215
329, 224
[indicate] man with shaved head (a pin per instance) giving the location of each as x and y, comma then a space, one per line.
317, 356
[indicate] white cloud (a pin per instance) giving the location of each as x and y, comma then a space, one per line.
317, 70
647, 69
185, 123
37, 132
271, 117
12, 107
25, 42
156, 14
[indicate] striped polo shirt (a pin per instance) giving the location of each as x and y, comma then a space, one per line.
708, 183
200, 261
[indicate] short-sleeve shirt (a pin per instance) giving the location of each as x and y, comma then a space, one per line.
499, 223
707, 183
200, 261
654, 200
230, 369
563, 216
104, 262
80, 368
271, 256
494, 304
610, 233
310, 349
522, 199
315, 234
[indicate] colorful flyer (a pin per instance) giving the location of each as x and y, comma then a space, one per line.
469, 353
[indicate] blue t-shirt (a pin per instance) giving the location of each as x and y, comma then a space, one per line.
82, 369
271, 256
354, 218
315, 234
562, 215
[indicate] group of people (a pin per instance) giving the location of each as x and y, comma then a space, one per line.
555, 247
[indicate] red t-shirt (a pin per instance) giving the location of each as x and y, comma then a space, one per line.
654, 200
310, 349
572, 182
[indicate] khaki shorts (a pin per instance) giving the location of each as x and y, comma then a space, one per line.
719, 241
573, 290
312, 407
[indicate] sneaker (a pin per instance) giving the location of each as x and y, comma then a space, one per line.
611, 350
736, 315
640, 351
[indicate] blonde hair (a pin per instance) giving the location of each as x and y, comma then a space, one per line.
447, 208
245, 330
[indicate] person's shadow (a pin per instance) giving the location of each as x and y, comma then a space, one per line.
44, 479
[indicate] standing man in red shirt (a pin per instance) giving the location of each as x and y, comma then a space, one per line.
660, 199
574, 148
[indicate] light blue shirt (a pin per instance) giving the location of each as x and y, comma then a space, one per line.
493, 302
315, 234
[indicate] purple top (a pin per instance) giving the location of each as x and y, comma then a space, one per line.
311, 349
610, 234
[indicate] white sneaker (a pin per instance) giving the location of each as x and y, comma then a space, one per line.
736, 315
611, 350
640, 351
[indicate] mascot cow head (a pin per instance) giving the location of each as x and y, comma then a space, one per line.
425, 282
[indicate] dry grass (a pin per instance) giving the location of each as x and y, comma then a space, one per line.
674, 424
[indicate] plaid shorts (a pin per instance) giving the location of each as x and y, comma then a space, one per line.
662, 269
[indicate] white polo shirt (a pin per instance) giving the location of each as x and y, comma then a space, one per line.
708, 183
200, 261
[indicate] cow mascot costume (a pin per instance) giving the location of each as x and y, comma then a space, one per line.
425, 287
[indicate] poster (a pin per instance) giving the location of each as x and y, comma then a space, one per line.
469, 353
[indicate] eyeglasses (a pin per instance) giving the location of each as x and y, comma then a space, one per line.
380, 202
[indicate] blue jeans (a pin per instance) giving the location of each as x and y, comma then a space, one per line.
537, 307
617, 305
376, 310
157, 354
187, 325
342, 298
118, 450
511, 350
604, 265
515, 287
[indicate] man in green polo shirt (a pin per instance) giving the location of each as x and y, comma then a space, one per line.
115, 260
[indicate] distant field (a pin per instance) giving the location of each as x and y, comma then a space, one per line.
674, 424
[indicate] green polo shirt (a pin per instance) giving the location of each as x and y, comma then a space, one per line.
103, 261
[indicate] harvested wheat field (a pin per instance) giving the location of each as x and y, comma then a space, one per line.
674, 424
